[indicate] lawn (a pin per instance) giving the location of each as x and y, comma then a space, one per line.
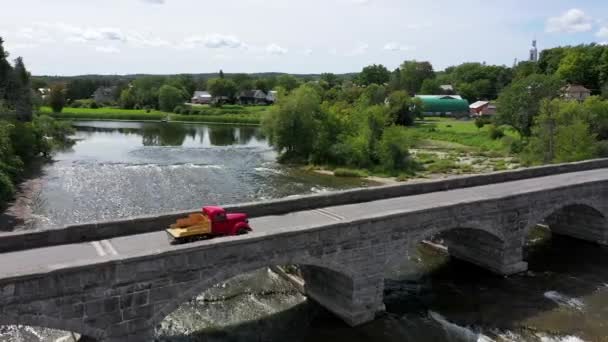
461, 132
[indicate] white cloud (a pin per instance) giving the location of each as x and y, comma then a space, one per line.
393, 46
154, 2
276, 49
307, 52
361, 2
213, 41
603, 32
359, 50
572, 21
107, 49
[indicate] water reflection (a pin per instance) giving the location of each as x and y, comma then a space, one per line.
223, 136
178, 134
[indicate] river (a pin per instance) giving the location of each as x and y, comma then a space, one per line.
122, 169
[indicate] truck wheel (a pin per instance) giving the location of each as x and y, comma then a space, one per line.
241, 231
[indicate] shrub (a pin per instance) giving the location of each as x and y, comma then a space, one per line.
481, 121
177, 110
496, 132
93, 105
76, 104
7, 189
393, 150
602, 149
349, 173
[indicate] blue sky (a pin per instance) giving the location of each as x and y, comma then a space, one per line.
69, 37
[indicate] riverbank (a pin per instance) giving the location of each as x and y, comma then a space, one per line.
227, 115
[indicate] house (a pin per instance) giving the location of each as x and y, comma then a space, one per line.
575, 92
444, 105
271, 97
201, 97
252, 97
105, 95
447, 89
482, 108
44, 92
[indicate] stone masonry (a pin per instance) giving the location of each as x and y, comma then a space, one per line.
343, 263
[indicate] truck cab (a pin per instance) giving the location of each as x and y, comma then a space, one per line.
223, 223
210, 222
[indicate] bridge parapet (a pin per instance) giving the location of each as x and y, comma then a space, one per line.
16, 241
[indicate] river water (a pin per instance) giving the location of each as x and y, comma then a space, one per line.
122, 169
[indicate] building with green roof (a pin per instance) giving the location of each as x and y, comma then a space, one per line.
444, 105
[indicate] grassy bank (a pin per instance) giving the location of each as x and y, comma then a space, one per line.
226, 114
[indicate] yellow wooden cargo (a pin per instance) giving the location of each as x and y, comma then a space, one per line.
194, 225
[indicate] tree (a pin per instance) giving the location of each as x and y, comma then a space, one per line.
292, 124
57, 97
519, 102
373, 94
5, 70
221, 74
430, 87
394, 149
170, 97
287, 82
243, 82
331, 80
127, 99
23, 91
371, 74
402, 109
413, 73
221, 88
561, 134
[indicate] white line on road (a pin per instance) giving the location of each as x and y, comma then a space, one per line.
98, 248
109, 247
329, 214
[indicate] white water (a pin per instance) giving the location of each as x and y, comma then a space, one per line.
564, 300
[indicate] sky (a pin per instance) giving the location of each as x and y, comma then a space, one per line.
73, 37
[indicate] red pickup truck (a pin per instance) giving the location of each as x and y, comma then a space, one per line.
210, 222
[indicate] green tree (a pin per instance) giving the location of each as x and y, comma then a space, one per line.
127, 99
373, 95
413, 73
430, 87
23, 91
330, 79
394, 149
57, 97
402, 109
561, 134
287, 82
170, 97
519, 102
291, 125
221, 87
243, 82
374, 74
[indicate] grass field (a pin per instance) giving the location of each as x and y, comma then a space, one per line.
462, 132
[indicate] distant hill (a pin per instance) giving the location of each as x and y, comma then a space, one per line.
130, 77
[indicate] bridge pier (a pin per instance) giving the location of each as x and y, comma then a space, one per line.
487, 251
580, 222
356, 300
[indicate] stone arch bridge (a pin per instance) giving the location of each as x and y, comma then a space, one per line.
119, 288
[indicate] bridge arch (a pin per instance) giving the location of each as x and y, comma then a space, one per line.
583, 219
223, 274
479, 243
75, 326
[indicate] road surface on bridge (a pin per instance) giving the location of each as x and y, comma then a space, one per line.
51, 258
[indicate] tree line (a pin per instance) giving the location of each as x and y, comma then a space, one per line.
24, 136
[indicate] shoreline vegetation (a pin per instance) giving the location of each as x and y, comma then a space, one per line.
227, 115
